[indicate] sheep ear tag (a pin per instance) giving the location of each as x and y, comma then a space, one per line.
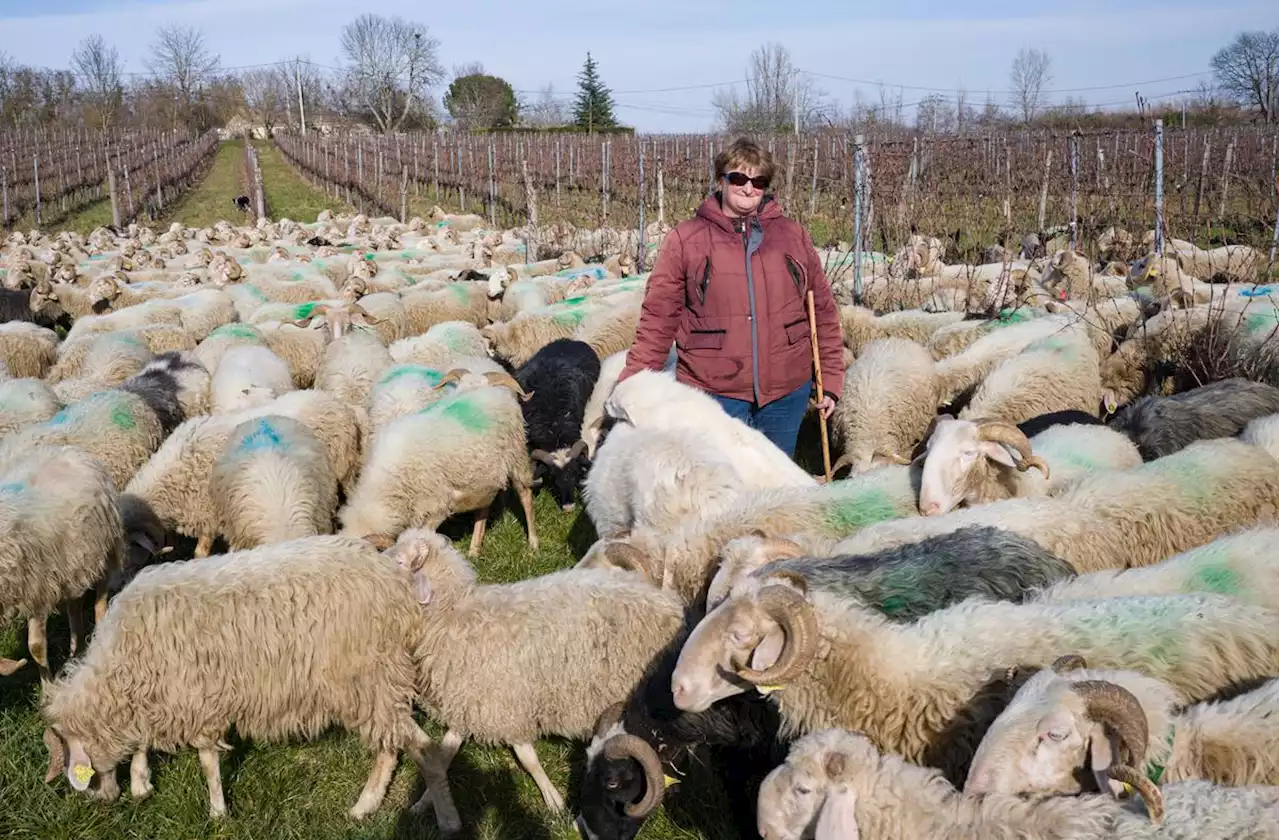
766, 690
668, 781
80, 776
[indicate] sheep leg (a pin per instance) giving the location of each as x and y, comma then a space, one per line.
213, 777
108, 789
529, 761
75, 621
437, 791
376, 786
477, 531
204, 545
526, 502
449, 746
99, 601
139, 776
37, 645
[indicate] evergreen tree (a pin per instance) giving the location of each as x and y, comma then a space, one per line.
594, 107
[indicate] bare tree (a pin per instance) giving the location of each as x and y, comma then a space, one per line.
99, 69
547, 110
934, 115
474, 68
774, 92
268, 91
393, 65
1246, 70
1030, 74
180, 60
963, 111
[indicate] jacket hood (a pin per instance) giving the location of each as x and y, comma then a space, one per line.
711, 210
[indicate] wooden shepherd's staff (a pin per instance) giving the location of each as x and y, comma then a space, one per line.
817, 370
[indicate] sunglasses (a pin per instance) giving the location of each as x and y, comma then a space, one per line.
739, 179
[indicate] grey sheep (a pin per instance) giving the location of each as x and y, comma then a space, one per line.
1163, 425
910, 581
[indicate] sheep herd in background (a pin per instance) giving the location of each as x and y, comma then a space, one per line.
1042, 604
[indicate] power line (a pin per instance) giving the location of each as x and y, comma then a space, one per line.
1056, 90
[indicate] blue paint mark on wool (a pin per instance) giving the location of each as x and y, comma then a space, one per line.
13, 488
264, 436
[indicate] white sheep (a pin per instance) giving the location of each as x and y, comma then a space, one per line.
890, 395
25, 402
60, 536
273, 483
1264, 432
246, 377
1057, 373
1069, 721
453, 456
405, 388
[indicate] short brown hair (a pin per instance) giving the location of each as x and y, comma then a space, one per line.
744, 152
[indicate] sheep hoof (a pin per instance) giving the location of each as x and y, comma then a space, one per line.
217, 812
141, 792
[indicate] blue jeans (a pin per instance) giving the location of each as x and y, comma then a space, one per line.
779, 420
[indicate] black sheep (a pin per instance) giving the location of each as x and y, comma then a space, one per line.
740, 733
15, 305
1036, 425
242, 203
560, 378
1161, 426
157, 384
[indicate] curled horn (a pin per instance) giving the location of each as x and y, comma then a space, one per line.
577, 449
845, 460
609, 718
318, 310
998, 431
628, 558
506, 380
57, 755
800, 635
364, 313
630, 746
450, 378
1069, 662
8, 666
542, 455
380, 541
891, 456
1117, 708
1151, 794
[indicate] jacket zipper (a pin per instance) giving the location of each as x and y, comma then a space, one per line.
751, 227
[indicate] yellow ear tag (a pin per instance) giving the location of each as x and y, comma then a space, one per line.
668, 781
768, 689
83, 773
1128, 788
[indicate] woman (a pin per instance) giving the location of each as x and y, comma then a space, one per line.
729, 288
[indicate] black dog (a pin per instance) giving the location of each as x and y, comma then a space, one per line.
242, 203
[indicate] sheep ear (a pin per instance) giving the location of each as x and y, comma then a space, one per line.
79, 767
997, 452
838, 819
769, 649
421, 588
1102, 752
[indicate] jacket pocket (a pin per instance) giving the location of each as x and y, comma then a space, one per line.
797, 330
704, 281
798, 275
704, 340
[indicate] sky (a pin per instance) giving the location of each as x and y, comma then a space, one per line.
645, 49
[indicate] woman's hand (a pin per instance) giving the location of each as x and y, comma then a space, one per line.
826, 405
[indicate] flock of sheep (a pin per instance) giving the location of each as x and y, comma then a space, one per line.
1042, 604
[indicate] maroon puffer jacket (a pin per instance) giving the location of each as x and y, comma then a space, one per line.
740, 324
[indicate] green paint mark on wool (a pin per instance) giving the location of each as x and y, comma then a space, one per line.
234, 331
122, 417
1194, 478
415, 371
576, 300
569, 317
1015, 316
461, 409
1260, 322
866, 507
1214, 577
893, 606
303, 310
460, 292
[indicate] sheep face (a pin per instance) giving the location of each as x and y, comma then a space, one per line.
562, 472
764, 633
956, 464
793, 795
73, 756
1062, 735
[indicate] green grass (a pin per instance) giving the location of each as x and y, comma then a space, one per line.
303, 790
210, 200
288, 194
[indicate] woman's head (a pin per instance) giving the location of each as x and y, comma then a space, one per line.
752, 168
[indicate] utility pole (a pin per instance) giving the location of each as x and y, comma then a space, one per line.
795, 100
297, 79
